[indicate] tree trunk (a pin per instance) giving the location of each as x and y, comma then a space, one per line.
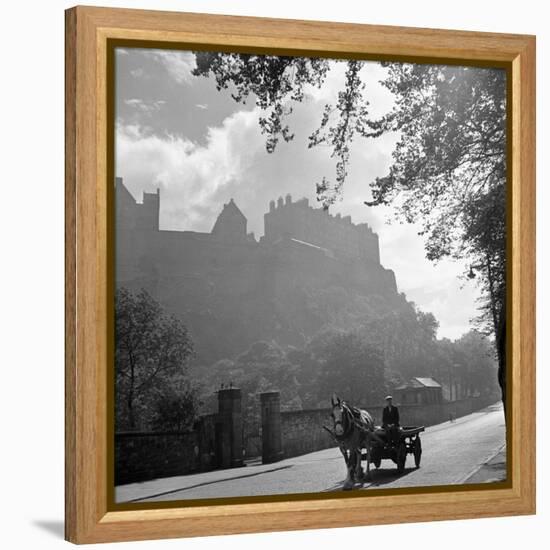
501, 354
131, 418
499, 323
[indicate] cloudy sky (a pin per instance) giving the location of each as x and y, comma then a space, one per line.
178, 133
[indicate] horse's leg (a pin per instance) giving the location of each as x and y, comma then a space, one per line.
348, 484
358, 467
344, 454
368, 476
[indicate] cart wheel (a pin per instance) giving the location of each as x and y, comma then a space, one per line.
401, 456
417, 451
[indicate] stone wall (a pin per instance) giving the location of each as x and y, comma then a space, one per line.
148, 455
215, 442
428, 415
302, 431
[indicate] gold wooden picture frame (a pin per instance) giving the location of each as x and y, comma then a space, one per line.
91, 34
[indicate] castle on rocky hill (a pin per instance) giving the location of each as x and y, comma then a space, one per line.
232, 288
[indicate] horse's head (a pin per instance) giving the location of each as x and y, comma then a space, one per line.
337, 415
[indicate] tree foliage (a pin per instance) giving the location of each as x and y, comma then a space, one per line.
151, 347
339, 125
449, 166
448, 172
175, 406
276, 82
475, 366
352, 368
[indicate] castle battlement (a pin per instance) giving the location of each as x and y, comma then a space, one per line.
299, 220
303, 203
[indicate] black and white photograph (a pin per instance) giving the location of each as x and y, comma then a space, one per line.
309, 275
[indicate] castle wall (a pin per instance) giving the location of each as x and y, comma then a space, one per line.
318, 227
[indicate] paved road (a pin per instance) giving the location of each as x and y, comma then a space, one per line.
452, 452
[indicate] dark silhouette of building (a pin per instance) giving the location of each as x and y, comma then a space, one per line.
228, 286
334, 234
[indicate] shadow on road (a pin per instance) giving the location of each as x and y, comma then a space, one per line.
204, 483
379, 477
383, 476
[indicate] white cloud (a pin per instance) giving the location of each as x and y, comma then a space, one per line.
189, 176
147, 107
438, 287
179, 64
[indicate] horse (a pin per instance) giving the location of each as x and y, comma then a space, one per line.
353, 430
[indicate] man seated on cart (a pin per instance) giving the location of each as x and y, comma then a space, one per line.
390, 420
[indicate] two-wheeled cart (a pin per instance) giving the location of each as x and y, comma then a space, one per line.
395, 444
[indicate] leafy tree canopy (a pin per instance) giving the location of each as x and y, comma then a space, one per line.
150, 348
352, 368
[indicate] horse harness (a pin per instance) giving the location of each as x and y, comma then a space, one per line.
352, 417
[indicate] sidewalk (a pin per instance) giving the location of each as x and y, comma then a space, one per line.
493, 470
164, 486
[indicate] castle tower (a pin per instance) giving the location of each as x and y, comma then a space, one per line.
150, 210
231, 223
134, 215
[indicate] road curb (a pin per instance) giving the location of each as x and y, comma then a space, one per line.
484, 464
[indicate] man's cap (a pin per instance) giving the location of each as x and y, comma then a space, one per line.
388, 397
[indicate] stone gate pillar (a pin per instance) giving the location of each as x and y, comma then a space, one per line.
231, 423
272, 443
